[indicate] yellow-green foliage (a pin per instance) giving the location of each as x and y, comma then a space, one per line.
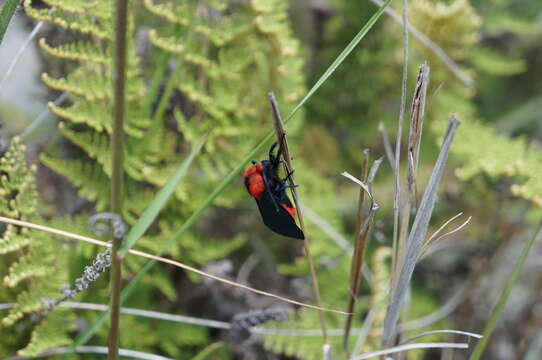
230, 56
88, 118
455, 28
224, 57
484, 151
477, 145
439, 20
32, 265
19, 200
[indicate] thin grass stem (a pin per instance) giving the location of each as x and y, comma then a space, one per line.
42, 118
127, 353
503, 299
432, 332
407, 347
398, 243
280, 133
117, 139
416, 236
131, 286
19, 53
359, 251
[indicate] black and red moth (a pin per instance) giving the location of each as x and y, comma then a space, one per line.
264, 184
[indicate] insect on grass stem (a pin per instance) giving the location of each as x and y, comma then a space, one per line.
280, 133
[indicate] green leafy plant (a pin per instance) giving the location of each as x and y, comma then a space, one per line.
209, 77
33, 268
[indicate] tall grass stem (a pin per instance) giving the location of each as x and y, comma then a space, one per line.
117, 139
499, 308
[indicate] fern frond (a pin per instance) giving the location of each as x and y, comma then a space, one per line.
91, 88
73, 6
92, 182
38, 270
484, 151
96, 145
12, 239
25, 269
78, 51
170, 44
102, 10
70, 20
17, 189
173, 13
50, 333
92, 114
43, 269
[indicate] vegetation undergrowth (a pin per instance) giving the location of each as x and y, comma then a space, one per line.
197, 75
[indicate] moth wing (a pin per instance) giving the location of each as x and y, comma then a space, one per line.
279, 221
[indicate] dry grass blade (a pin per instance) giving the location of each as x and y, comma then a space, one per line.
387, 145
361, 199
102, 350
417, 235
364, 331
455, 332
19, 53
164, 260
435, 238
439, 230
361, 240
141, 313
42, 118
417, 114
280, 133
407, 347
359, 247
411, 325
410, 200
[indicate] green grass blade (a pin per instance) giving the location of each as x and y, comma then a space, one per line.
130, 287
6, 13
156, 83
173, 81
157, 79
208, 351
338, 61
156, 205
499, 308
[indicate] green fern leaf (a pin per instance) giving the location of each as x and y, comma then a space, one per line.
50, 333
